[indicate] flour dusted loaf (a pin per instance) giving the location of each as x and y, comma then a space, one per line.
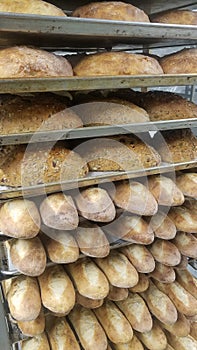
88, 302
34, 327
25, 62
181, 327
177, 17
182, 343
39, 342
60, 334
117, 63
181, 62
155, 339
165, 252
162, 226
163, 273
187, 182
117, 294
135, 343
112, 10
119, 153
41, 163
140, 257
37, 112
38, 7
185, 219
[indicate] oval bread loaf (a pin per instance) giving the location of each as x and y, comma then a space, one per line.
34, 327
165, 252
187, 281
163, 273
39, 342
135, 343
140, 257
187, 183
182, 343
162, 226
155, 339
117, 294
186, 243
181, 327
61, 336
181, 62
184, 219
88, 302
142, 284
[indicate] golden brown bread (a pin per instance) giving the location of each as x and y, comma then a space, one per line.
142, 284
41, 163
88, 329
177, 17
19, 218
113, 10
165, 252
38, 7
34, 327
57, 291
140, 257
181, 62
193, 330
28, 256
181, 343
137, 312
187, 281
60, 335
94, 204
183, 263
135, 344
187, 183
115, 324
163, 273
88, 302
58, 211
38, 112
155, 339
24, 298
24, 61
40, 342
181, 327
162, 226
117, 294
117, 63
184, 219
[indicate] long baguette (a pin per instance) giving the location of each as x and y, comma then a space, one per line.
163, 273
181, 343
142, 284
140, 257
165, 252
134, 344
187, 281
155, 339
39, 342
181, 327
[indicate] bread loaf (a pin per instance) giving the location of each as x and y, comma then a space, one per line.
89, 280
95, 204
155, 339
142, 284
165, 252
181, 327
88, 302
184, 219
113, 10
39, 112
115, 324
28, 256
163, 273
182, 343
187, 281
117, 63
181, 62
133, 344
24, 298
117, 294
88, 329
193, 330
19, 218
34, 327
165, 190
57, 291
40, 342
183, 263
38, 7
61, 336
140, 257
119, 271
137, 313
134, 197
58, 211
187, 183
162, 226
177, 17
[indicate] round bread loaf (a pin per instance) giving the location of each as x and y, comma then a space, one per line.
38, 7
112, 10
181, 62
25, 62
177, 17
117, 63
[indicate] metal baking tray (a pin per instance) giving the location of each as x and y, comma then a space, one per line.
18, 85
92, 178
60, 32
96, 131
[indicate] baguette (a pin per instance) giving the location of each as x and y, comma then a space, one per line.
57, 291
165, 191
193, 330
187, 281
19, 218
134, 344
160, 304
140, 257
184, 219
117, 294
89, 280
162, 226
137, 313
186, 244
183, 263
182, 343
61, 246
115, 324
24, 298
163, 273
142, 284
181, 327
40, 342
88, 329
119, 271
61, 336
28, 256
34, 327
155, 339
88, 302
187, 183
165, 252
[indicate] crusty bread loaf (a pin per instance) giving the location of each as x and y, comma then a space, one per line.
24, 298
187, 17
163, 273
119, 271
155, 339
160, 304
134, 197
162, 226
28, 256
186, 243
38, 112
117, 63
58, 211
187, 281
181, 62
61, 336
182, 343
115, 324
137, 313
165, 190
184, 219
34, 327
164, 105
88, 329
94, 204
92, 240
177, 146
135, 344
41, 163
19, 218
142, 284
24, 61
118, 153
183, 263
193, 330
187, 182
40, 342
57, 291
140, 257
112, 10
60, 246
89, 280
38, 7
117, 294
181, 327
88, 302
165, 252
132, 229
